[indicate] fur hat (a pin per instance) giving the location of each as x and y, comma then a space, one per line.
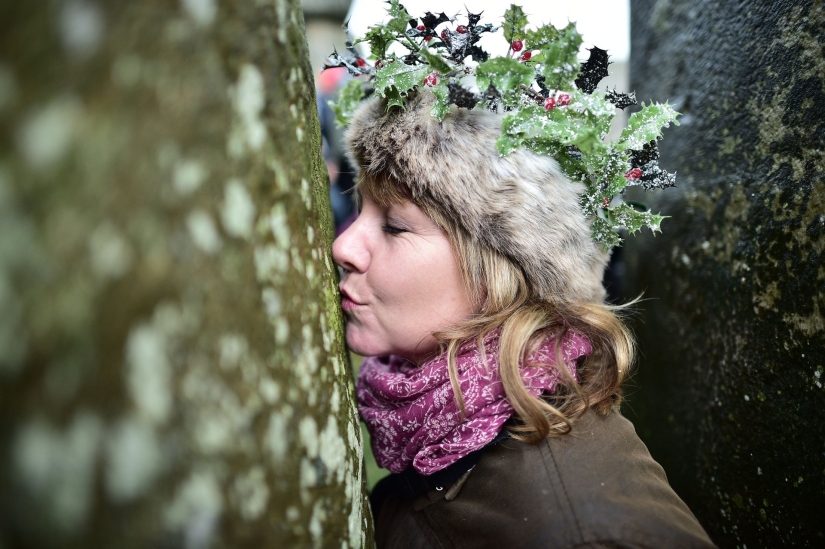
520, 205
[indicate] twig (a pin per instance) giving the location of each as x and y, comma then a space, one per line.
532, 93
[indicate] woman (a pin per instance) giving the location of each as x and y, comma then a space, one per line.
492, 388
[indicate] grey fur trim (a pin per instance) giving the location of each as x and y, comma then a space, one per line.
521, 205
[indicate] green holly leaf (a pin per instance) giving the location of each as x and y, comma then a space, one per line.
399, 17
542, 37
379, 38
646, 125
633, 220
573, 167
591, 109
436, 61
442, 99
349, 97
553, 127
396, 79
604, 232
504, 74
515, 20
559, 59
393, 97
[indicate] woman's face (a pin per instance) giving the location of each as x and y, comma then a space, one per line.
401, 281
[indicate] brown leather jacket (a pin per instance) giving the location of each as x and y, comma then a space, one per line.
597, 487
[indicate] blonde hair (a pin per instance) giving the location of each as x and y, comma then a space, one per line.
498, 288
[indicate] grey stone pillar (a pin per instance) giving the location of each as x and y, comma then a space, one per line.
730, 393
172, 365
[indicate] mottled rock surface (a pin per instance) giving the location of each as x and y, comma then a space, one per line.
172, 365
730, 393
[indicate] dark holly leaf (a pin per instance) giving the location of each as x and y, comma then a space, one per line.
461, 96
649, 153
541, 80
354, 64
413, 23
653, 176
474, 18
478, 54
486, 27
621, 100
431, 21
411, 59
593, 70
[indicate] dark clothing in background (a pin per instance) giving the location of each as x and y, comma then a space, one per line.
597, 487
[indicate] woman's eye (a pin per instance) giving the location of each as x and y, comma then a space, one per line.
389, 229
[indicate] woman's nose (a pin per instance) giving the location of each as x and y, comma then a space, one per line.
349, 251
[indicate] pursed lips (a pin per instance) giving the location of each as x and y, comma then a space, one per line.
347, 302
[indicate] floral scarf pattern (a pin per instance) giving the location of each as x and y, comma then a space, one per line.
413, 416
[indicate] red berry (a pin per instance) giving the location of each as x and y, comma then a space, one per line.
444, 36
563, 99
431, 79
379, 64
428, 38
517, 45
606, 202
635, 173
361, 63
526, 56
421, 28
461, 29
549, 103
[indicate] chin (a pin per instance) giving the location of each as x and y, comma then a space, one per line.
361, 345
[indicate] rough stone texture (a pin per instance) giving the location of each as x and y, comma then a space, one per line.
730, 391
172, 364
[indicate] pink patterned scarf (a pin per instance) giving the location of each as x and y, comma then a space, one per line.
413, 417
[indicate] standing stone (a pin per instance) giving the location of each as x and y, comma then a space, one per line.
730, 394
172, 365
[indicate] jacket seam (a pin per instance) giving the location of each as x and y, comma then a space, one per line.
564, 489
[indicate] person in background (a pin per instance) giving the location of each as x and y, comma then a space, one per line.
341, 176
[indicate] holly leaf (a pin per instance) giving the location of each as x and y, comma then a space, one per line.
603, 231
393, 97
559, 59
541, 37
633, 220
504, 74
593, 70
461, 96
431, 21
515, 21
436, 61
646, 126
399, 17
653, 176
621, 100
442, 100
348, 60
592, 110
400, 77
379, 38
554, 128
349, 98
